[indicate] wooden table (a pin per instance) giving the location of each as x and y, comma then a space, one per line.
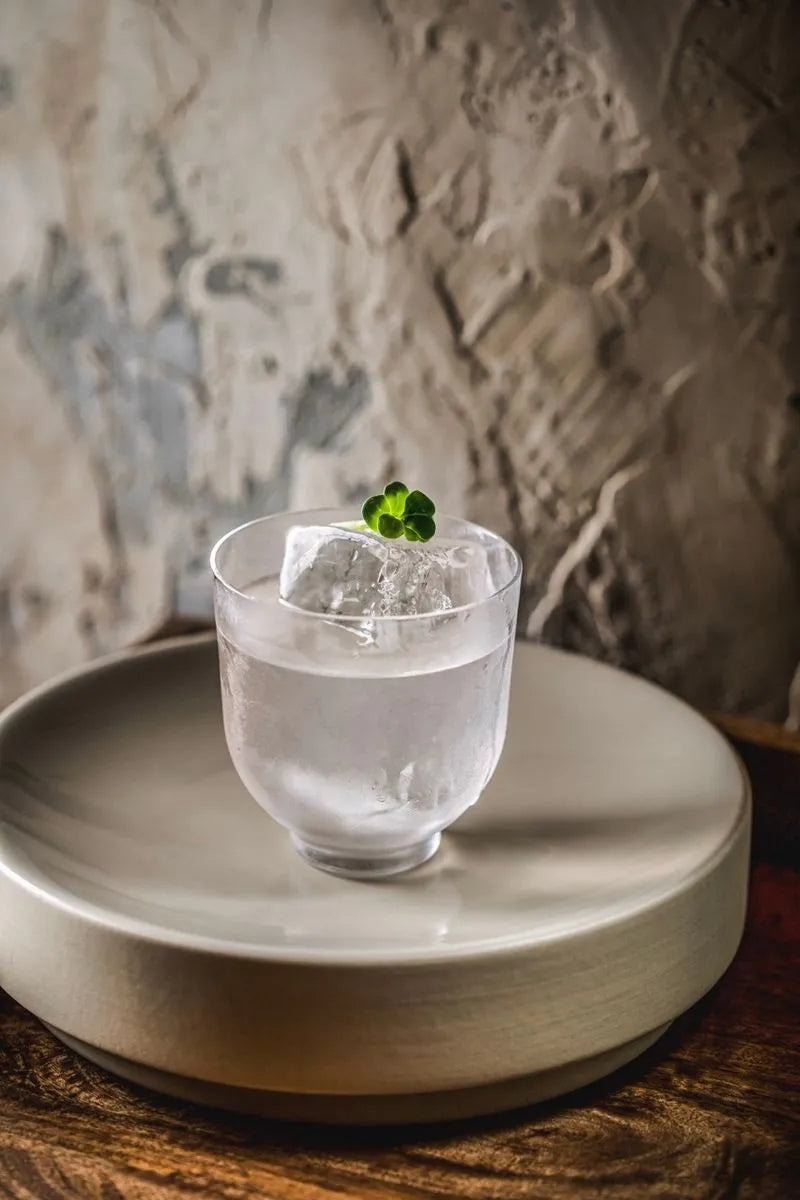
710, 1112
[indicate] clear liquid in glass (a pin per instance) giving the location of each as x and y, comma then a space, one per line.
362, 744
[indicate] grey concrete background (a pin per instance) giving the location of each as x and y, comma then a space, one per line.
539, 258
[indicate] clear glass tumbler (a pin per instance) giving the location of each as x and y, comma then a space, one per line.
364, 736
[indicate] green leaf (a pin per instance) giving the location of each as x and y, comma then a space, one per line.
420, 524
389, 526
400, 513
417, 503
371, 510
395, 494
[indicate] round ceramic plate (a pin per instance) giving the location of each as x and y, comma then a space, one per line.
161, 923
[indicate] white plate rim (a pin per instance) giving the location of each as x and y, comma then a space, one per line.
140, 930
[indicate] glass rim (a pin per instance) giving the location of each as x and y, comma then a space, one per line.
473, 605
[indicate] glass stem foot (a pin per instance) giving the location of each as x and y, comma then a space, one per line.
366, 865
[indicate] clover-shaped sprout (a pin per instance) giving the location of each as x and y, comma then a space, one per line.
400, 513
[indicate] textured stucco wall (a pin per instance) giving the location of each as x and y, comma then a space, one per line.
540, 258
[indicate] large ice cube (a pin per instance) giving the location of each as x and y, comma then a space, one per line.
329, 569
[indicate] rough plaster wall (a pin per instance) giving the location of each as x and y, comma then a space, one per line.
541, 258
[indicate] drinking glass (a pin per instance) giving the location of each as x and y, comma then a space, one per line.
364, 736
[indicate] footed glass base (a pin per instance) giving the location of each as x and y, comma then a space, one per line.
368, 866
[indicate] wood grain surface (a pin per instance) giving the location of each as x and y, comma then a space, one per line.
710, 1112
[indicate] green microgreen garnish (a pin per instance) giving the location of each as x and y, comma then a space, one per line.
400, 513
